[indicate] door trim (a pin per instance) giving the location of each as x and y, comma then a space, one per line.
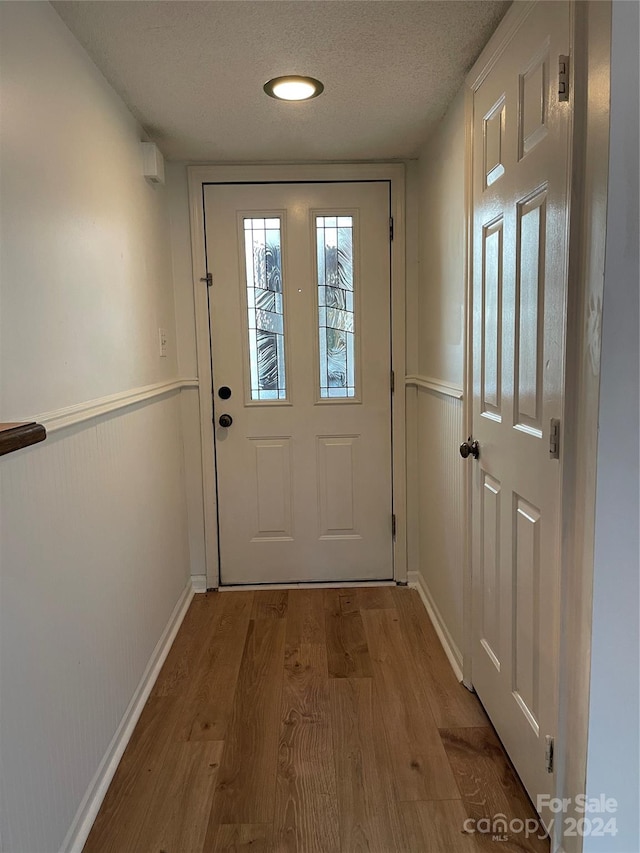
589, 164
394, 174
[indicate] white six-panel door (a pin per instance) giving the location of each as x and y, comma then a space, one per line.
520, 215
300, 335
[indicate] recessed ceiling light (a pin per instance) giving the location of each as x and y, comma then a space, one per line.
293, 88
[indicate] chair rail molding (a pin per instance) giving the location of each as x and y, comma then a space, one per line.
63, 418
416, 380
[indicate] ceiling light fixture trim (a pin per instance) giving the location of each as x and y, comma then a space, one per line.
293, 87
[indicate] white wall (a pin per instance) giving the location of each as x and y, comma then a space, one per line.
412, 308
441, 358
442, 223
412, 236
614, 712
85, 262
94, 551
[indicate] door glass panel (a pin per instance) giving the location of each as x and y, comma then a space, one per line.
265, 305
336, 320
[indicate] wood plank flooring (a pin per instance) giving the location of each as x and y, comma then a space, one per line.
310, 721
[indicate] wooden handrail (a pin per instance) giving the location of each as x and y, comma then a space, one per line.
18, 435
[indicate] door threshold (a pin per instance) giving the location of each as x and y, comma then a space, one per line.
300, 585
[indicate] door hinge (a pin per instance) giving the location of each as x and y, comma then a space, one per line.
563, 78
548, 754
393, 525
391, 227
392, 381
208, 278
554, 439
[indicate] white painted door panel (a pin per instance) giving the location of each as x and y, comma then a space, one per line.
520, 180
304, 471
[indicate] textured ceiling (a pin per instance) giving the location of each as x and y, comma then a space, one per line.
192, 72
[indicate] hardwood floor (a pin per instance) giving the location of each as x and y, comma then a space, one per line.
310, 721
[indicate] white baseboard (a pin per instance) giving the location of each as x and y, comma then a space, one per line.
199, 583
90, 805
416, 581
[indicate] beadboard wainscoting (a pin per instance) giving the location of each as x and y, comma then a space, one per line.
95, 581
439, 576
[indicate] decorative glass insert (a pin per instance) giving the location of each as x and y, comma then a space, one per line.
263, 256
336, 320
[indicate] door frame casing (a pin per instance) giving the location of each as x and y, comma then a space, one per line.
394, 174
590, 41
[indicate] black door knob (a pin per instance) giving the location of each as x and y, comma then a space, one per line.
224, 392
225, 421
469, 448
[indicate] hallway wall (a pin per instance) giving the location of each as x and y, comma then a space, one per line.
94, 553
441, 365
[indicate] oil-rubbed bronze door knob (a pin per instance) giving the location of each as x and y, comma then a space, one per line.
469, 448
225, 421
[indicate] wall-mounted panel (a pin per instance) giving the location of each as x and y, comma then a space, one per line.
529, 352
526, 604
337, 461
273, 487
493, 142
491, 367
490, 569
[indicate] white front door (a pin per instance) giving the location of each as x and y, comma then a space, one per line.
300, 342
520, 181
